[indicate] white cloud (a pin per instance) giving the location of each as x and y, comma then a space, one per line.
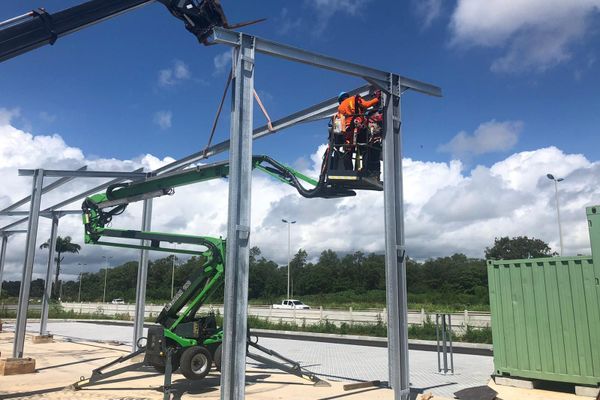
221, 62
163, 118
288, 22
326, 9
428, 10
447, 209
47, 117
489, 137
177, 73
534, 34
7, 115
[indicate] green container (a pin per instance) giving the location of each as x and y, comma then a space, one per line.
546, 315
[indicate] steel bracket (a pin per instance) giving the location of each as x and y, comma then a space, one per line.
243, 231
400, 253
249, 60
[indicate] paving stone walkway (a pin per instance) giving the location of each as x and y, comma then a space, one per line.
332, 361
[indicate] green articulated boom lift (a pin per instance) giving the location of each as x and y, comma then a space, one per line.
181, 339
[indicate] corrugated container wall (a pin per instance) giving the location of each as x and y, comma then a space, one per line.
546, 315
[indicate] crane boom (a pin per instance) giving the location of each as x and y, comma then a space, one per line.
39, 27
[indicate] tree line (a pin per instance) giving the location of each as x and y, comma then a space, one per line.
452, 280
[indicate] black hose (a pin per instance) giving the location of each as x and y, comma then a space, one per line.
320, 190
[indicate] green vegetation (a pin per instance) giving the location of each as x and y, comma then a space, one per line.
379, 329
443, 284
517, 248
63, 245
57, 312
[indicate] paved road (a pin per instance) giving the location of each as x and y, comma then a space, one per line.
330, 360
309, 317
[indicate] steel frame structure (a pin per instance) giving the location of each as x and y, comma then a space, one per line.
236, 299
242, 135
321, 110
5, 235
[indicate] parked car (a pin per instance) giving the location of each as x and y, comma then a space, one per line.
291, 304
118, 301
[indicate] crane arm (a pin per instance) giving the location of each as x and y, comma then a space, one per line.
39, 27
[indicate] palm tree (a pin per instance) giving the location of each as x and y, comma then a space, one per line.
63, 245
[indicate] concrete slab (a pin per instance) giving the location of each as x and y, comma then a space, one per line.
41, 339
513, 382
513, 393
17, 366
587, 391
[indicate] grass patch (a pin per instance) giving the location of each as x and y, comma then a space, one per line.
426, 331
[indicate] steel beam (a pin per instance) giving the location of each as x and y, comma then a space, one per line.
46, 189
49, 275
295, 54
2, 258
324, 109
318, 111
235, 324
394, 244
142, 276
5, 235
80, 196
46, 214
32, 229
52, 173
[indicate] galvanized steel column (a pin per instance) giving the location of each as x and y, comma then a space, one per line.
49, 275
2, 257
238, 232
142, 276
394, 246
32, 229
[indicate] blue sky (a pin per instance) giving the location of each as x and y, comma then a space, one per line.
520, 85
100, 88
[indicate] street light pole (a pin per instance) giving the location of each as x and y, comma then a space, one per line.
289, 224
107, 260
560, 235
173, 273
80, 279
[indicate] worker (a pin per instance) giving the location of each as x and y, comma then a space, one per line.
352, 108
351, 117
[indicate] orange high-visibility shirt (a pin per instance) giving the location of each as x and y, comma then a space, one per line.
348, 108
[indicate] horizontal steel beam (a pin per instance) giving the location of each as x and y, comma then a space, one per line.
87, 193
85, 174
47, 214
324, 109
318, 111
8, 233
382, 78
80, 196
46, 189
13, 224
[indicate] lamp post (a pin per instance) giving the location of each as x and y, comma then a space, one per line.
289, 224
80, 279
560, 236
107, 264
173, 272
